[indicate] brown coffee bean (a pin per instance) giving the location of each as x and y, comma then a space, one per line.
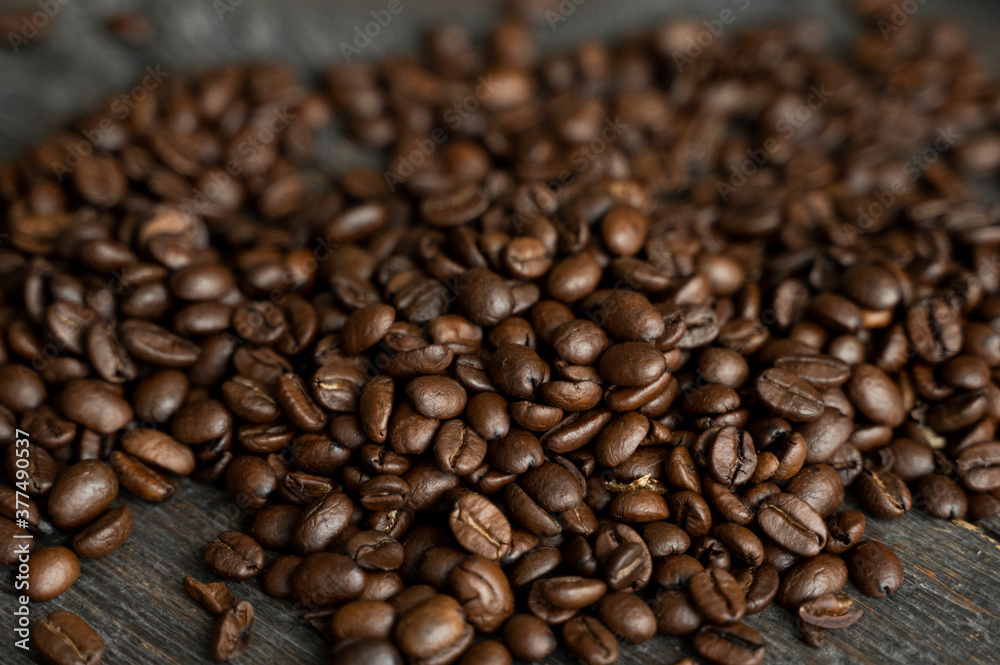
735, 644
874, 568
214, 597
788, 396
793, 524
82, 492
234, 555
480, 527
233, 632
52, 570
95, 405
590, 641
105, 534
323, 579
63, 637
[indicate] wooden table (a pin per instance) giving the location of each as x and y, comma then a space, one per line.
947, 612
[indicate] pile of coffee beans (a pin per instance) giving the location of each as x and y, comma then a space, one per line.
594, 356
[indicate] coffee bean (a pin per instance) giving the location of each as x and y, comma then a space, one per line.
139, 479
233, 632
884, 494
52, 570
590, 641
105, 534
214, 597
675, 613
435, 627
528, 638
234, 555
94, 405
82, 492
322, 579
793, 524
810, 579
788, 396
63, 638
480, 527
735, 644
874, 568
979, 467
717, 595
482, 588
160, 450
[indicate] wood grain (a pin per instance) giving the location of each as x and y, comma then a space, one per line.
947, 612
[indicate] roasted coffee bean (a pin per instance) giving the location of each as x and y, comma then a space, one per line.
214, 597
276, 580
321, 522
291, 393
590, 641
627, 615
63, 638
793, 524
528, 638
139, 479
759, 585
846, 529
788, 396
482, 588
160, 450
105, 534
233, 631
363, 618
830, 611
158, 346
52, 570
978, 466
95, 405
717, 595
234, 555
82, 492
884, 494
323, 579
875, 395
810, 579
735, 644
480, 527
940, 496
158, 396
434, 628
675, 613
874, 568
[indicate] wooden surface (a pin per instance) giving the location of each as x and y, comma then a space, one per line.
948, 610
